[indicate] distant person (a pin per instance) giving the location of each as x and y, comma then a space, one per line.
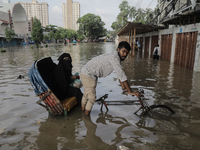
138, 44
136, 47
156, 52
102, 66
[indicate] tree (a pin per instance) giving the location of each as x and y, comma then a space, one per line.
46, 37
37, 31
50, 28
57, 35
123, 15
63, 32
92, 26
149, 15
67, 33
9, 34
132, 13
140, 15
154, 16
51, 35
80, 35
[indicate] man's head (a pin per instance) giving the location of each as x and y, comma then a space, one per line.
123, 50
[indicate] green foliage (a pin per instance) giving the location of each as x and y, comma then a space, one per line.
111, 34
37, 31
80, 35
132, 13
135, 15
46, 45
91, 26
68, 33
124, 12
51, 35
140, 16
61, 33
46, 37
2, 50
57, 35
50, 28
32, 47
9, 34
153, 16
122, 17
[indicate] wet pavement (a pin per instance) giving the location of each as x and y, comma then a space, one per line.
26, 125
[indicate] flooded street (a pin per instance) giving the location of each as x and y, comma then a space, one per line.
26, 125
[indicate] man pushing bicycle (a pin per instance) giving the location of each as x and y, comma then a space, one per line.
102, 66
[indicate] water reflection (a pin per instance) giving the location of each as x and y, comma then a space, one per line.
25, 125
77, 132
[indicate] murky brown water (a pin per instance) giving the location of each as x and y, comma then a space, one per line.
26, 125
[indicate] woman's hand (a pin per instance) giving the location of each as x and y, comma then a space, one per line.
73, 77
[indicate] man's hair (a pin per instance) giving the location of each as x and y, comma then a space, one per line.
125, 45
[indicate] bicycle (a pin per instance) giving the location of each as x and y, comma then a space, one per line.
144, 106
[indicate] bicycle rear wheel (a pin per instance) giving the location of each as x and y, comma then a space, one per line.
159, 110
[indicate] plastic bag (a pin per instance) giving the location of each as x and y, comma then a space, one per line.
77, 82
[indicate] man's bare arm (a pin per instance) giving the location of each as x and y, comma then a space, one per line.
126, 87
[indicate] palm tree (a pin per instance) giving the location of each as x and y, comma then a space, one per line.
140, 15
149, 15
132, 13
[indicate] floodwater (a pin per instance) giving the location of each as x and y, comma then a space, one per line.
25, 125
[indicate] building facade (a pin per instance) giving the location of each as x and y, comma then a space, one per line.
13, 16
38, 10
179, 39
71, 13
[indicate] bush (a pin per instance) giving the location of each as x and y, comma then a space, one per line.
2, 50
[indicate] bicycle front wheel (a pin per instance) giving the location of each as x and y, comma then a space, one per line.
159, 110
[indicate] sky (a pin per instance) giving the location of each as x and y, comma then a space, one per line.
106, 9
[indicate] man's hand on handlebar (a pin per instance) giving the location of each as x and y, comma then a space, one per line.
125, 90
135, 93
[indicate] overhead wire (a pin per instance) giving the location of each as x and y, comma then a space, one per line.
131, 2
140, 3
137, 3
150, 3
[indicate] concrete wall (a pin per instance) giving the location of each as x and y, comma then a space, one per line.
20, 23
4, 16
2, 29
21, 27
174, 30
19, 13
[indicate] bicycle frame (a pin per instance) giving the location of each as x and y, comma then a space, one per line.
143, 104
